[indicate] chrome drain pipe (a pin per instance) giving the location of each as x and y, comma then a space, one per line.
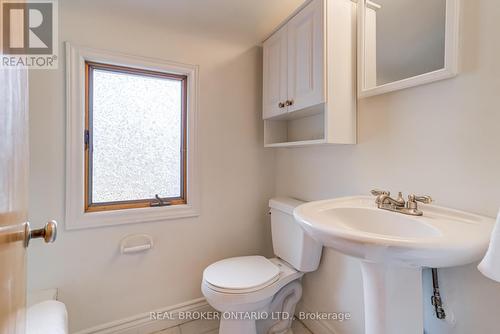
436, 298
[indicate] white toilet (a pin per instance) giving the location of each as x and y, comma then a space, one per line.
256, 295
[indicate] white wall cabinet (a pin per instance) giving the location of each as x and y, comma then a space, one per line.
306, 58
309, 77
275, 74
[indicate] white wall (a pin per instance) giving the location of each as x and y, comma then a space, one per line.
99, 285
441, 139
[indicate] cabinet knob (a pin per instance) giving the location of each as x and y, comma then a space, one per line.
281, 105
289, 103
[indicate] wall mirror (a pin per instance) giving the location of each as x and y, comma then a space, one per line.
405, 43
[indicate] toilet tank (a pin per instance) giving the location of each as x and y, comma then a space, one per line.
290, 242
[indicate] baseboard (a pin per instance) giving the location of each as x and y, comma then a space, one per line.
143, 324
315, 326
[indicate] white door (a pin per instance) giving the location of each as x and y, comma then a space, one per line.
275, 75
306, 57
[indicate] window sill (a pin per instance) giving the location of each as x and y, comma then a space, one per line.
130, 216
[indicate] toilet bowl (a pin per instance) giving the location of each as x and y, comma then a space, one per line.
251, 305
256, 295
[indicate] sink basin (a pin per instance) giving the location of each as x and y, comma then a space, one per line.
355, 226
382, 223
392, 249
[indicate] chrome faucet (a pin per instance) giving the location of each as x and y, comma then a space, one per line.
384, 201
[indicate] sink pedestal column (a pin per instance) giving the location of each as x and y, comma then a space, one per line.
393, 299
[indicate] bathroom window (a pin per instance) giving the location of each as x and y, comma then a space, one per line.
131, 133
135, 138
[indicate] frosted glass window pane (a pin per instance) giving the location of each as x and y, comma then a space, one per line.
136, 134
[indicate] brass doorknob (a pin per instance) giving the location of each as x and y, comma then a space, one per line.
48, 233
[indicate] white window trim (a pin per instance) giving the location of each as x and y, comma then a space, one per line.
76, 218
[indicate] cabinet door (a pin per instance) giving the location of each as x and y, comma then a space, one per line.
306, 57
275, 74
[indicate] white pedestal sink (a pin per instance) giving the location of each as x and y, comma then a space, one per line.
393, 249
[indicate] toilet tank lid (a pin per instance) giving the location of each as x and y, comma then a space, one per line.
285, 204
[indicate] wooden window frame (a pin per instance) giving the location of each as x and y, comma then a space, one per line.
75, 216
90, 66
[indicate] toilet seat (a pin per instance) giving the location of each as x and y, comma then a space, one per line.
239, 301
241, 275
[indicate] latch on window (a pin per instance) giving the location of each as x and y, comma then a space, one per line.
86, 139
160, 202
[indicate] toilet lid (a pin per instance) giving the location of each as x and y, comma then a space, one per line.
242, 273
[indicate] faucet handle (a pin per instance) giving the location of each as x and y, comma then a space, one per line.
422, 199
377, 192
413, 199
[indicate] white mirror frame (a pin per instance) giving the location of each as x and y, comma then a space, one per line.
451, 54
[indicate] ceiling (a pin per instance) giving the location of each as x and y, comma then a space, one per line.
246, 21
